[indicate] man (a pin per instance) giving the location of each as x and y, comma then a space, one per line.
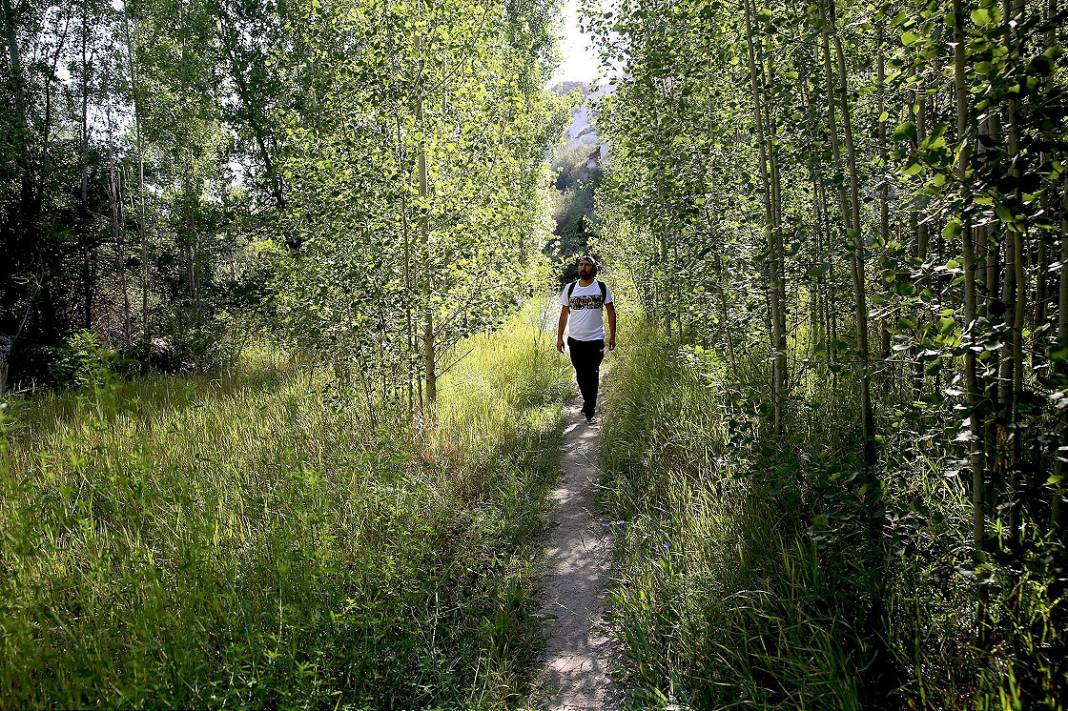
582, 304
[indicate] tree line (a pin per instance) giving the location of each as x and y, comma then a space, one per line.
855, 214
349, 176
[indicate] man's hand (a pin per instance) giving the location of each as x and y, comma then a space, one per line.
612, 343
565, 311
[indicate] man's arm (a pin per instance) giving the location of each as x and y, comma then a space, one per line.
611, 309
564, 311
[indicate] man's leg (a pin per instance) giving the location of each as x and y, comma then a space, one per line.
596, 356
586, 356
580, 358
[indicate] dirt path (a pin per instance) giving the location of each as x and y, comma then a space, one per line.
580, 648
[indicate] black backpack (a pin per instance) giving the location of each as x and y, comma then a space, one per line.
600, 285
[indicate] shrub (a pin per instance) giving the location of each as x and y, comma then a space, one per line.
84, 362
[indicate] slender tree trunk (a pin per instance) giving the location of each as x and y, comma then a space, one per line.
854, 229
83, 202
884, 159
1059, 519
1014, 297
142, 216
820, 318
1057, 509
992, 300
1019, 297
1039, 318
963, 110
118, 233
428, 344
778, 250
411, 374
778, 356
849, 203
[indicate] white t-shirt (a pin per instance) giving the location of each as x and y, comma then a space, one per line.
586, 320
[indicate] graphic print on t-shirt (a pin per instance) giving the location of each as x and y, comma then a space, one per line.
580, 303
587, 306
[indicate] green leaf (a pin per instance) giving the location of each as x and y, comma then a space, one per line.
981, 17
905, 131
1059, 354
909, 38
904, 288
912, 170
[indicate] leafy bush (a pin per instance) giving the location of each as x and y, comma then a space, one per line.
84, 362
190, 341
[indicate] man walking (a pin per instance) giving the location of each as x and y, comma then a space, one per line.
582, 304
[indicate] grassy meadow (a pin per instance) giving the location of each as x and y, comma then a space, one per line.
248, 540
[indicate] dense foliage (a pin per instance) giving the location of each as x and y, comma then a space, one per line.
418, 181
838, 445
854, 215
366, 178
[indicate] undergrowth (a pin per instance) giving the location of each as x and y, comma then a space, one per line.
246, 541
749, 576
719, 604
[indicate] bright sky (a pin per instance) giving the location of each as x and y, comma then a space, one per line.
579, 60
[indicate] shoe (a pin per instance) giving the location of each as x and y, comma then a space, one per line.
591, 419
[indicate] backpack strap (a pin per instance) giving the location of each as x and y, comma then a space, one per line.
600, 285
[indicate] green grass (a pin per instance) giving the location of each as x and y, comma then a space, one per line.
246, 541
748, 576
719, 603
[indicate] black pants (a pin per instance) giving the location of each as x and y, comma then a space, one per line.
586, 356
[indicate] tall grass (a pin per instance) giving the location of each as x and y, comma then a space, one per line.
720, 602
748, 573
242, 541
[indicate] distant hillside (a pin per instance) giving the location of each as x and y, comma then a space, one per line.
577, 166
582, 132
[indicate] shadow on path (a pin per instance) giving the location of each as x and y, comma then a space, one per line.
580, 647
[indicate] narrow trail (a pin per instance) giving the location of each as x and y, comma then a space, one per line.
580, 647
